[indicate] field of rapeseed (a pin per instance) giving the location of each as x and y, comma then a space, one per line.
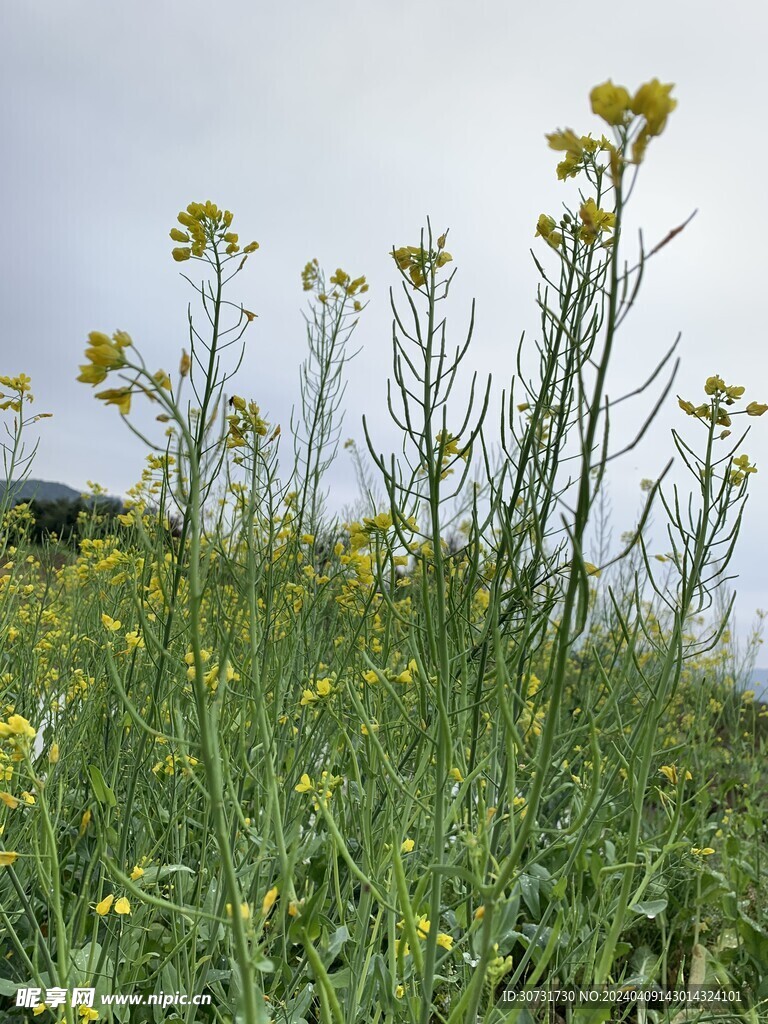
388, 769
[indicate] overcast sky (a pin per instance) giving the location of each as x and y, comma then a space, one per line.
332, 130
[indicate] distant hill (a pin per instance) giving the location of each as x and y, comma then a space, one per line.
42, 490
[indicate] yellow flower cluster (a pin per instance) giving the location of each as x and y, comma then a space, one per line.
17, 726
185, 764
578, 150
243, 421
206, 225
447, 449
594, 221
545, 228
417, 262
720, 395
324, 787
740, 470
105, 354
613, 103
351, 286
17, 731
345, 286
716, 386
406, 676
423, 926
20, 385
652, 102
310, 275
380, 523
323, 688
213, 674
669, 771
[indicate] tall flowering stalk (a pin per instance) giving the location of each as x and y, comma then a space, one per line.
206, 237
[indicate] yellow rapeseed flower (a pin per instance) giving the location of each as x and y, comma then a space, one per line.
611, 102
323, 687
740, 470
382, 521
653, 102
123, 906
7, 857
594, 221
106, 905
245, 911
90, 373
17, 725
669, 771
545, 227
566, 142
304, 785
269, 901
105, 353
121, 397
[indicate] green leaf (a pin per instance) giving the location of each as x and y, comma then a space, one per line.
651, 908
101, 790
529, 887
80, 957
339, 937
155, 874
643, 967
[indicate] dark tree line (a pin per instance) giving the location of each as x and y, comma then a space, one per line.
62, 517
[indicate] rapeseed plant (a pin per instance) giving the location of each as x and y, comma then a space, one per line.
455, 744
